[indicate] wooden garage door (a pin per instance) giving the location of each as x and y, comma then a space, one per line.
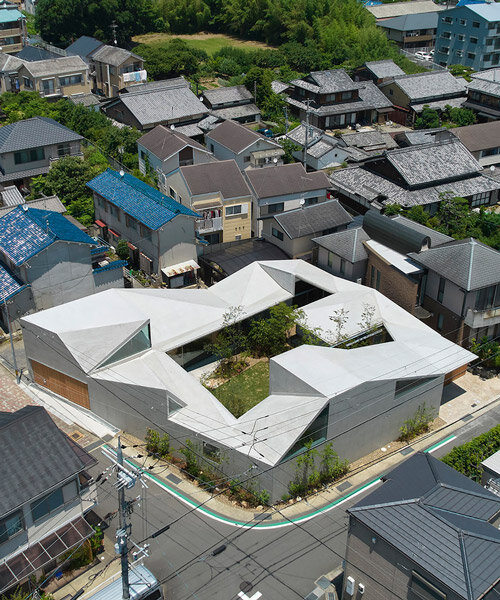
61, 384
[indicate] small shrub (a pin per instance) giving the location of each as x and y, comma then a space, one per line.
468, 457
152, 441
191, 456
417, 424
263, 497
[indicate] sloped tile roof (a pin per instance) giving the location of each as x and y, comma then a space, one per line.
83, 46
347, 244
369, 139
326, 82
36, 456
313, 219
213, 177
384, 68
112, 55
235, 137
468, 263
236, 112
491, 88
285, 179
441, 520
137, 199
9, 284
26, 231
221, 95
56, 66
480, 136
432, 84
34, 53
33, 133
164, 142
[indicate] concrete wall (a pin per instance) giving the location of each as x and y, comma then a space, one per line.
384, 571
81, 88
19, 305
107, 279
177, 241
396, 95
60, 273
296, 248
352, 271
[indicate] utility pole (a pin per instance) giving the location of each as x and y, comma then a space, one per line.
114, 27
286, 119
306, 141
255, 91
125, 479
11, 339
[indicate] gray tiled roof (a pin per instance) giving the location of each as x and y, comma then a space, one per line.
298, 134
166, 104
173, 82
278, 86
430, 163
235, 136
326, 82
309, 220
56, 66
318, 143
321, 147
36, 456
83, 46
468, 263
439, 519
419, 136
34, 53
236, 112
384, 68
221, 95
347, 244
9, 63
219, 176
164, 142
437, 238
439, 104
359, 181
34, 132
85, 99
488, 75
112, 55
491, 88
370, 140
282, 180
432, 84
428, 20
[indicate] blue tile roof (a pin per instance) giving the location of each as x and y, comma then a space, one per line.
9, 285
112, 265
137, 199
25, 232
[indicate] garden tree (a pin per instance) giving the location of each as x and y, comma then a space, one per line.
122, 250
367, 317
392, 209
171, 59
468, 457
417, 213
229, 341
429, 119
339, 318
269, 336
289, 147
60, 22
260, 80
454, 215
461, 71
459, 116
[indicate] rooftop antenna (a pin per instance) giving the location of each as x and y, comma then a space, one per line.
122, 172
113, 27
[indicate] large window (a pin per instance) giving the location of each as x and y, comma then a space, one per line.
315, 433
442, 284
27, 156
488, 298
70, 80
28, 84
277, 234
233, 210
404, 386
480, 199
47, 504
11, 525
276, 208
64, 149
311, 201
141, 341
131, 222
146, 232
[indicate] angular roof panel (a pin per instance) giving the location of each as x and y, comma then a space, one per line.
285, 179
235, 136
222, 177
34, 132
347, 244
164, 142
309, 220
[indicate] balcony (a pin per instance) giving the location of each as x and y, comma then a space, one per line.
53, 159
482, 318
50, 92
209, 225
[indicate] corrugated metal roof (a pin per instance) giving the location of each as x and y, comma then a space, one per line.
26, 231
9, 15
137, 199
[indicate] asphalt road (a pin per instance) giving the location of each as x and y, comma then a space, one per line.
280, 563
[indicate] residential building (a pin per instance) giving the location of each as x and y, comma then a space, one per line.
56, 77
169, 102
278, 189
333, 100
377, 71
114, 68
399, 9
163, 150
462, 289
490, 477
414, 31
365, 144
483, 95
343, 254
234, 102
46, 493
29, 147
293, 230
417, 175
9, 69
433, 89
482, 141
417, 137
84, 47
469, 35
230, 140
218, 192
159, 230
147, 344
35, 53
323, 151
12, 28
12, 197
426, 531
88, 100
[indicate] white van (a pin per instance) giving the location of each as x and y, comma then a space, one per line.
143, 585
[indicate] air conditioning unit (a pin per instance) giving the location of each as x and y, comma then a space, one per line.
361, 588
349, 586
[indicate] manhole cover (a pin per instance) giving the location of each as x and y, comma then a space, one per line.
246, 586
76, 435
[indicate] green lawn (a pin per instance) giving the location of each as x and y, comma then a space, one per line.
210, 43
245, 390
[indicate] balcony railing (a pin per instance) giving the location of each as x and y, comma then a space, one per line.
54, 158
208, 225
482, 318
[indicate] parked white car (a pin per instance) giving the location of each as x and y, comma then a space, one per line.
420, 55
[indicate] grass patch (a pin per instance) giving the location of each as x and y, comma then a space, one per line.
209, 42
245, 390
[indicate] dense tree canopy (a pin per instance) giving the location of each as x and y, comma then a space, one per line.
60, 22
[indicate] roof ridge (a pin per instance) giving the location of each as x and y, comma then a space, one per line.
481, 494
465, 564
18, 417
